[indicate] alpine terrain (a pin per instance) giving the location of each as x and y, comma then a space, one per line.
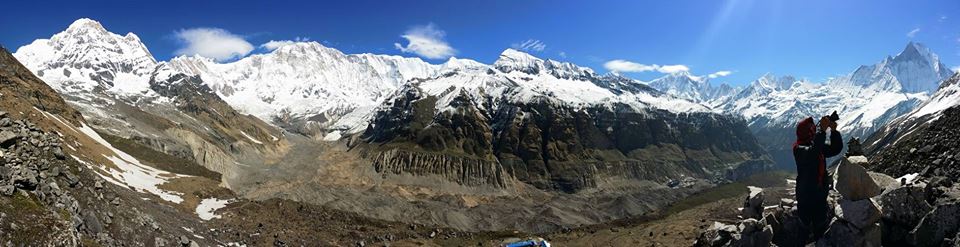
524, 144
867, 98
102, 143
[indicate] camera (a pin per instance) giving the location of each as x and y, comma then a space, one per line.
833, 116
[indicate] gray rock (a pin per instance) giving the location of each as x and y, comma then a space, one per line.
92, 223
862, 213
942, 222
753, 204
905, 205
54, 171
787, 229
754, 233
8, 138
7, 190
787, 203
886, 182
72, 180
27, 179
159, 242
58, 153
184, 240
840, 233
852, 180
717, 235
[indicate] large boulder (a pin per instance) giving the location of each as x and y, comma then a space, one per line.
753, 204
754, 233
8, 138
943, 222
843, 233
886, 182
903, 208
862, 213
718, 235
787, 228
853, 181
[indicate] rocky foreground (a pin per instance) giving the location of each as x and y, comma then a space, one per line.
869, 209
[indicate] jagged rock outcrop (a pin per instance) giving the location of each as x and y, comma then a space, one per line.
558, 147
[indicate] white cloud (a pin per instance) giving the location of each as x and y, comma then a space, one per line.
530, 45
913, 32
670, 69
620, 65
274, 44
562, 54
426, 41
943, 18
721, 73
213, 43
956, 69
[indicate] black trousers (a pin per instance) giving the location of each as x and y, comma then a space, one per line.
812, 208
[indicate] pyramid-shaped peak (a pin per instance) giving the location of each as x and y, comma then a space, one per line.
915, 50
85, 24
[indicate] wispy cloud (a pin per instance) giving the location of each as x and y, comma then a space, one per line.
213, 43
274, 44
562, 54
913, 33
426, 41
956, 68
620, 65
721, 73
942, 18
530, 45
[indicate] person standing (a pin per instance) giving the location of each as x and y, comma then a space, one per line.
810, 152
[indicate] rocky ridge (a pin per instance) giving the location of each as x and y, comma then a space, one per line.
912, 210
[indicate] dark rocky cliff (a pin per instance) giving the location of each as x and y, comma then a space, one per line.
550, 146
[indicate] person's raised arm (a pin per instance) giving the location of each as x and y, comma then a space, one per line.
836, 144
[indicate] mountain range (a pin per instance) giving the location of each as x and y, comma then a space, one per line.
866, 98
357, 132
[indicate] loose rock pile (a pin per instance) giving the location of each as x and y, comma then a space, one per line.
32, 162
869, 209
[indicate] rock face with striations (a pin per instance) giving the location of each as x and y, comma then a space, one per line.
487, 138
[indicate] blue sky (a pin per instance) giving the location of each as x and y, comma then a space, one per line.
815, 39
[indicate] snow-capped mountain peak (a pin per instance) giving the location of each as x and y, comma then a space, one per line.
915, 69
685, 85
86, 56
514, 60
